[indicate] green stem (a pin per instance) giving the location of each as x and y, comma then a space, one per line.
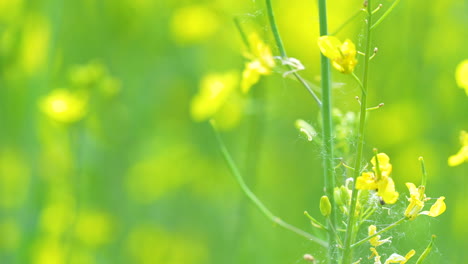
327, 132
254, 199
424, 172
282, 50
380, 232
382, 18
350, 229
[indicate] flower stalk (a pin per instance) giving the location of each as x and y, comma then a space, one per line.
350, 230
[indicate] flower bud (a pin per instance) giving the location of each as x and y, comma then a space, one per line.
325, 206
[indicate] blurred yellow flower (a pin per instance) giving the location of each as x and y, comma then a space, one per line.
64, 106
462, 155
193, 24
342, 55
35, 43
94, 228
379, 179
417, 199
461, 75
217, 99
261, 62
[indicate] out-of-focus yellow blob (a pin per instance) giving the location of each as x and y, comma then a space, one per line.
10, 9
461, 75
64, 106
193, 24
217, 99
462, 154
14, 179
34, 44
94, 228
58, 216
261, 62
49, 251
150, 245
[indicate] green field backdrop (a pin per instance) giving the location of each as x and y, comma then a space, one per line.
127, 176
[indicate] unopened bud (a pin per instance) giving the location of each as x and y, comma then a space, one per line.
325, 206
309, 257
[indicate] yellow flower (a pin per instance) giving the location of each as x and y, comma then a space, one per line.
64, 106
461, 75
417, 199
375, 241
394, 258
462, 155
217, 99
193, 24
261, 62
342, 55
382, 183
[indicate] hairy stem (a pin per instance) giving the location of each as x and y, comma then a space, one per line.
380, 232
327, 133
282, 50
350, 229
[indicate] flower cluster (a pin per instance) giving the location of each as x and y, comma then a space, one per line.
379, 179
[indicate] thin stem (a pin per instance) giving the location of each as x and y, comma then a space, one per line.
350, 229
327, 132
349, 20
241, 32
254, 199
382, 18
282, 50
426, 251
424, 172
380, 232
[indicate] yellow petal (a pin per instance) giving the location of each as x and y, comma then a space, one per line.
384, 164
366, 181
415, 206
329, 46
375, 241
250, 75
387, 191
438, 207
413, 190
459, 158
409, 255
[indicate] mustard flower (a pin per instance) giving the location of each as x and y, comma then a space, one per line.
417, 200
375, 241
261, 62
394, 258
342, 55
462, 155
379, 179
217, 99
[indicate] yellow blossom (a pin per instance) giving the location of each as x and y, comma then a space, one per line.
64, 106
382, 183
261, 62
394, 258
461, 75
342, 55
217, 99
417, 200
462, 155
192, 24
375, 241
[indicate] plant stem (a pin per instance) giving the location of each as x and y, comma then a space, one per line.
254, 199
282, 50
350, 229
327, 132
380, 232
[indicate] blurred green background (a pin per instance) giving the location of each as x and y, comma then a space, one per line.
126, 175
